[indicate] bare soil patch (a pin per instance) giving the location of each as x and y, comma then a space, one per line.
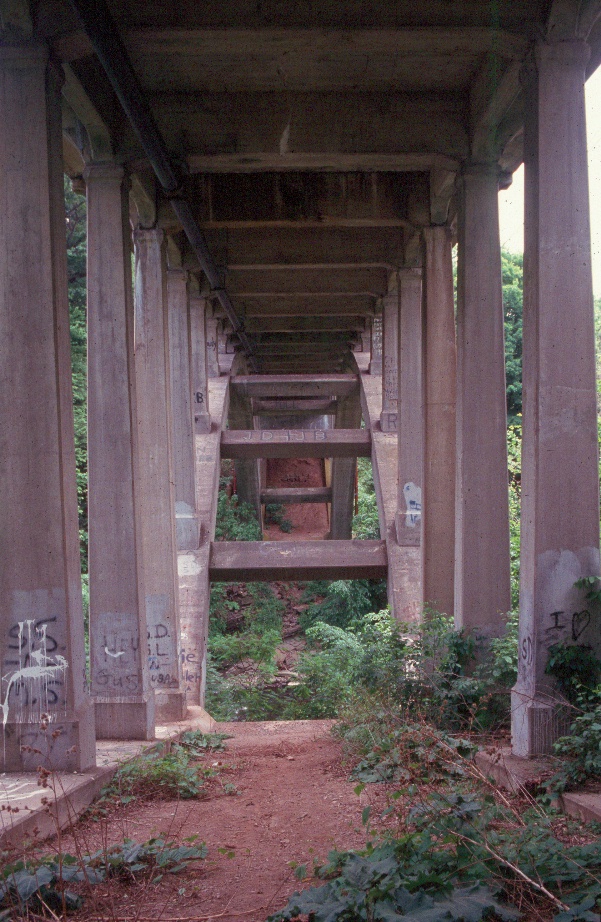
309, 520
292, 804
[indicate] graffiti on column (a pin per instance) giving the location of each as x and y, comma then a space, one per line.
563, 628
389, 384
116, 662
376, 336
33, 684
413, 502
162, 660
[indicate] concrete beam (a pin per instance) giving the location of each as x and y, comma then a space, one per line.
261, 561
309, 123
291, 495
324, 246
315, 200
284, 281
336, 385
295, 443
347, 324
290, 407
272, 162
492, 94
301, 351
101, 147
281, 365
301, 305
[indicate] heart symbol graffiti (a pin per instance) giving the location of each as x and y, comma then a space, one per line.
580, 622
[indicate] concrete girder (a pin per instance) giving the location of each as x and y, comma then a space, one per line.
305, 200
303, 304
312, 59
492, 95
241, 282
319, 248
101, 146
430, 15
207, 124
301, 324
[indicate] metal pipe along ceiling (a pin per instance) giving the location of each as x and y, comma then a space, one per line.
110, 50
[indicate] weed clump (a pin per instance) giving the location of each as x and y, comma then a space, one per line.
157, 776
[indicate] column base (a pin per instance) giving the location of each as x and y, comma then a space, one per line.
388, 421
27, 746
187, 527
125, 718
170, 706
536, 722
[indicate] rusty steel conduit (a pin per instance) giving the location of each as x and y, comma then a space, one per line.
111, 52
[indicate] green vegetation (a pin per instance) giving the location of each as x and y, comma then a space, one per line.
447, 845
162, 774
365, 522
75, 207
274, 515
42, 886
235, 521
512, 269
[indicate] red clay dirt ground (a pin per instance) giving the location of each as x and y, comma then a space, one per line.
309, 520
281, 796
293, 804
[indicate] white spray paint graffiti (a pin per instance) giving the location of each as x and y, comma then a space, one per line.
413, 501
34, 677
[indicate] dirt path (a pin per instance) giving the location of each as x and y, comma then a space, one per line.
292, 804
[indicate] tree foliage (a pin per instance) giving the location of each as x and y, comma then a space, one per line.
512, 268
75, 209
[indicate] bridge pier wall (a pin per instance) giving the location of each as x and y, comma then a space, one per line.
440, 378
180, 371
482, 571
560, 470
156, 473
46, 715
119, 675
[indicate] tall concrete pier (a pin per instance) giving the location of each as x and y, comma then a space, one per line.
293, 206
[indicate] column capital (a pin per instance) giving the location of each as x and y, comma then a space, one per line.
410, 272
483, 169
436, 230
103, 171
147, 236
574, 53
177, 274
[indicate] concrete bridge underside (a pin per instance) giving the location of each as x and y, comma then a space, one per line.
291, 180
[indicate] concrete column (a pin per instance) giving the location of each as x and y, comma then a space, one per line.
440, 376
375, 365
248, 481
390, 315
180, 354
124, 701
410, 403
560, 481
157, 497
41, 622
482, 586
200, 386
344, 472
212, 356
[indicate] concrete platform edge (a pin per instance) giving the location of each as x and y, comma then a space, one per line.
70, 795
